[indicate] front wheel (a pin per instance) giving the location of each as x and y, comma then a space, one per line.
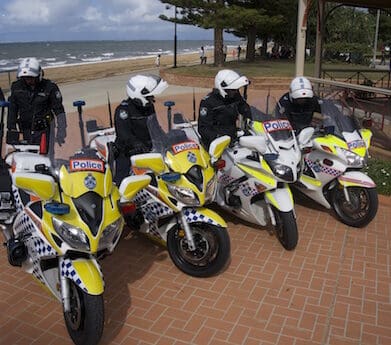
286, 229
212, 253
85, 319
361, 209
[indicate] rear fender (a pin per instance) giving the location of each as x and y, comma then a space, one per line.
86, 274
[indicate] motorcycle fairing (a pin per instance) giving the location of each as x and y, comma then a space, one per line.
203, 215
266, 180
77, 183
86, 274
184, 159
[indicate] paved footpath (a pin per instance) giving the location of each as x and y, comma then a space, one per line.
333, 289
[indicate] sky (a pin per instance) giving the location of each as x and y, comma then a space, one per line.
64, 20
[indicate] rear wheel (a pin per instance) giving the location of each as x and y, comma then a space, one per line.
286, 229
361, 209
212, 253
85, 319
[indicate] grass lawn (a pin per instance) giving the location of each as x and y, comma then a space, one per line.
380, 172
277, 68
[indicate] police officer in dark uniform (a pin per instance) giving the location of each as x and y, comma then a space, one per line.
130, 119
299, 104
34, 103
220, 109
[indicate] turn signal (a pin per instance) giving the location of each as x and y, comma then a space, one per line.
326, 148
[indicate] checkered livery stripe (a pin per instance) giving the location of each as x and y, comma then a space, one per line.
193, 216
317, 167
152, 211
245, 187
37, 247
18, 200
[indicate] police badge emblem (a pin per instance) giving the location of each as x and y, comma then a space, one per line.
90, 181
123, 114
191, 157
203, 111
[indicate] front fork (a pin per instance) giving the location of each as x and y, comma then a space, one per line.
186, 228
65, 289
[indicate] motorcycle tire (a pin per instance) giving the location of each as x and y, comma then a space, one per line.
361, 210
85, 320
212, 254
286, 229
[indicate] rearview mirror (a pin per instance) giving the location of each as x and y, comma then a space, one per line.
152, 161
305, 136
131, 185
218, 146
254, 142
40, 185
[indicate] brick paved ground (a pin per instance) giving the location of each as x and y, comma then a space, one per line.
333, 289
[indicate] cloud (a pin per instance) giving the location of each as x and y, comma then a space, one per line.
24, 20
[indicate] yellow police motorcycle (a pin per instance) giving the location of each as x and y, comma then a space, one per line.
67, 217
170, 210
331, 173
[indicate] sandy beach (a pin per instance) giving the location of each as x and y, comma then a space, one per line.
103, 69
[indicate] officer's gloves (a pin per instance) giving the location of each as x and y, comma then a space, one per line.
61, 128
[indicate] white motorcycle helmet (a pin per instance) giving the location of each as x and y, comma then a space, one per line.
300, 90
227, 79
29, 67
141, 87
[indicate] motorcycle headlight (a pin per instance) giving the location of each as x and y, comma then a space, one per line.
110, 234
210, 190
72, 235
184, 195
353, 159
282, 171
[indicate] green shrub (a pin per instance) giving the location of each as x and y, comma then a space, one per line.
380, 171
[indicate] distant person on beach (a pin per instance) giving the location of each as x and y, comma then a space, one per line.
219, 110
202, 55
225, 52
130, 120
35, 102
157, 61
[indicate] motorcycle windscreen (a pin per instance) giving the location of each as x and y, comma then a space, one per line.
337, 121
178, 146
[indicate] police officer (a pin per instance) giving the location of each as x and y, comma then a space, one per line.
34, 103
130, 120
299, 104
219, 110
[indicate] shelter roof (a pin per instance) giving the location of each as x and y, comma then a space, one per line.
365, 3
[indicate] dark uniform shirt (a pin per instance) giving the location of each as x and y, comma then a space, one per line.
131, 129
300, 116
30, 106
218, 115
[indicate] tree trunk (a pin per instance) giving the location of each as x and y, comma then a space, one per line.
251, 38
264, 47
218, 52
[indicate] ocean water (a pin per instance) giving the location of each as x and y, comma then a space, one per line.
82, 52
